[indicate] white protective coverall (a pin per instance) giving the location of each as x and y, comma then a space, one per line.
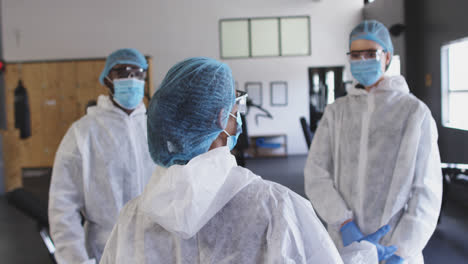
375, 158
102, 162
213, 211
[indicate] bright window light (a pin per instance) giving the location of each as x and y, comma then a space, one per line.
330, 79
395, 67
454, 84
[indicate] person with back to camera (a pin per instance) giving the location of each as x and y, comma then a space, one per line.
199, 206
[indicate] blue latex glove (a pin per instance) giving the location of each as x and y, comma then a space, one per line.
350, 233
383, 252
395, 259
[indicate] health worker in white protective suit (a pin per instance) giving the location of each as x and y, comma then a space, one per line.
102, 162
199, 206
374, 159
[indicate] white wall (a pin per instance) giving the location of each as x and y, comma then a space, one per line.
173, 30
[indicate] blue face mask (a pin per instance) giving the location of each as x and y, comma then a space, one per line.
366, 72
232, 140
128, 92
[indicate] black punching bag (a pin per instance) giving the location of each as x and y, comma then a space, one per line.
22, 114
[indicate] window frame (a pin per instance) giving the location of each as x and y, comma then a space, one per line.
445, 84
249, 26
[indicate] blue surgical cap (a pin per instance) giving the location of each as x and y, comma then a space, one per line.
189, 110
123, 56
375, 31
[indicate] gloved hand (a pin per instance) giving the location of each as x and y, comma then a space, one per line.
382, 251
350, 233
395, 259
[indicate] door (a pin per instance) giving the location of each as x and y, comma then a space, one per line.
325, 85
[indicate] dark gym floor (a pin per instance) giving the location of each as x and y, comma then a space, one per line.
20, 241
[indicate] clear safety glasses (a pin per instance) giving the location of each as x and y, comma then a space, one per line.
241, 101
127, 72
357, 55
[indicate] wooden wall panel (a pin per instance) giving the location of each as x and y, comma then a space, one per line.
11, 80
11, 156
58, 93
150, 82
67, 101
11, 149
50, 114
88, 86
32, 148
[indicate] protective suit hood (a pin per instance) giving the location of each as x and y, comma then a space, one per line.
241, 218
389, 83
104, 103
183, 198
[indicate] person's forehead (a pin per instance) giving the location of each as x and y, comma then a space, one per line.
364, 44
118, 66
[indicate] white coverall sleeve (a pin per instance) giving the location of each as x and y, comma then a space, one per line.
419, 220
66, 201
123, 243
318, 176
296, 235
109, 255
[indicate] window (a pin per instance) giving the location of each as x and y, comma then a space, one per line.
295, 38
265, 37
454, 84
330, 81
236, 43
395, 66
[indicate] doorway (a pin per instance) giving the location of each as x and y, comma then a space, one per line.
325, 85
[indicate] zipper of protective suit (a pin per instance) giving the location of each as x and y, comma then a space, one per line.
364, 142
135, 150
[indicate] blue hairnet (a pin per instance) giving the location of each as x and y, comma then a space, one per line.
375, 31
123, 56
189, 110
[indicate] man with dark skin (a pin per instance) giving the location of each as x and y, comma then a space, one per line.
102, 163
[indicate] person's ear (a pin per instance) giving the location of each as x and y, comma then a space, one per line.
221, 140
219, 120
388, 58
109, 84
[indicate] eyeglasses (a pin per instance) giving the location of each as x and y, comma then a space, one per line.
357, 55
127, 72
241, 101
